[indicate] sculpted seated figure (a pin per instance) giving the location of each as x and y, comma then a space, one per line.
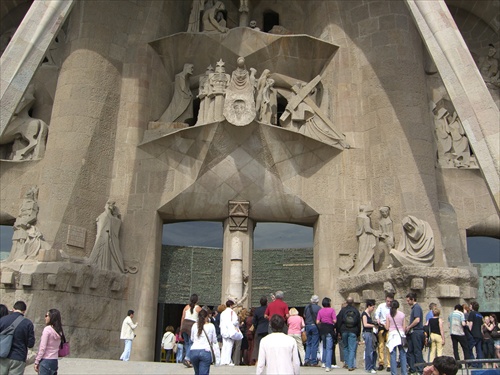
417, 244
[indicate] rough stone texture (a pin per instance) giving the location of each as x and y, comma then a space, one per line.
117, 76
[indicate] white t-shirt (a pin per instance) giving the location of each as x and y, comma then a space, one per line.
201, 342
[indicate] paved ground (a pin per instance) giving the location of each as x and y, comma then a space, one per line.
79, 366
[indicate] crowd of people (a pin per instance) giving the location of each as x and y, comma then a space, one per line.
15, 351
279, 338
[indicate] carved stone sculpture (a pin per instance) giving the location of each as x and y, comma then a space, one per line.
489, 284
106, 253
204, 96
416, 247
386, 240
266, 101
304, 116
367, 240
35, 243
195, 16
452, 142
213, 21
28, 212
488, 66
239, 106
253, 25
181, 106
25, 136
218, 83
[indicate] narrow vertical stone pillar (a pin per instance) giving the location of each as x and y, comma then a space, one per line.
467, 90
237, 263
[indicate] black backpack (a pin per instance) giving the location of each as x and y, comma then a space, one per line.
351, 319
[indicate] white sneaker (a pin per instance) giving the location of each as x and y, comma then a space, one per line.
323, 365
328, 369
335, 366
373, 371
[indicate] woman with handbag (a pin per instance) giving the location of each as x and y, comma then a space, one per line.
46, 362
395, 324
204, 341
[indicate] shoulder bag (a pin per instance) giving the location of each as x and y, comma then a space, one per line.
6, 337
215, 352
404, 341
63, 347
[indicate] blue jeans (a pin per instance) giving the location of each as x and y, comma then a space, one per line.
327, 350
48, 367
369, 360
312, 344
187, 346
478, 344
201, 360
126, 351
180, 352
402, 359
350, 342
415, 347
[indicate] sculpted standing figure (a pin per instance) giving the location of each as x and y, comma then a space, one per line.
367, 240
203, 95
181, 106
106, 253
218, 83
461, 147
417, 244
239, 107
269, 105
194, 17
213, 20
28, 212
386, 240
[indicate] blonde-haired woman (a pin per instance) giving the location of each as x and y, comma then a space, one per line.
437, 334
295, 327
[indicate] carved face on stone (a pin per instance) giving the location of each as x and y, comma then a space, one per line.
492, 51
240, 62
239, 108
188, 69
384, 212
253, 24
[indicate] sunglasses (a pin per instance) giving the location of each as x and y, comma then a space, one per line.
46, 315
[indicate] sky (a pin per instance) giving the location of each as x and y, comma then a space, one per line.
271, 236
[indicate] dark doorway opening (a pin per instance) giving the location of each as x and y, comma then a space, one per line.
168, 314
270, 20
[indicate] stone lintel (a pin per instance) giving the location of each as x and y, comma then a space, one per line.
369, 294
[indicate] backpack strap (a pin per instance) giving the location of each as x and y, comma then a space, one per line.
13, 325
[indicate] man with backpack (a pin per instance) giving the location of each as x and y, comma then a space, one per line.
349, 327
312, 332
23, 338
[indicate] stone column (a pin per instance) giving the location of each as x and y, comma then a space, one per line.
237, 260
467, 90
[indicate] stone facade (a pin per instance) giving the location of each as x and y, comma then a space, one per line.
352, 81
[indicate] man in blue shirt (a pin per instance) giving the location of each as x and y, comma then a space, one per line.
23, 338
415, 334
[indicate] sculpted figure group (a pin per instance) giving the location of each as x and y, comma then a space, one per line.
376, 247
241, 97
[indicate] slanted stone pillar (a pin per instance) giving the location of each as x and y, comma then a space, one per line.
237, 254
26, 51
467, 90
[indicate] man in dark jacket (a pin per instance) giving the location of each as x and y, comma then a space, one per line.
349, 326
23, 338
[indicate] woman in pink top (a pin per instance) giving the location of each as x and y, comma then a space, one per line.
396, 325
46, 359
295, 327
326, 319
